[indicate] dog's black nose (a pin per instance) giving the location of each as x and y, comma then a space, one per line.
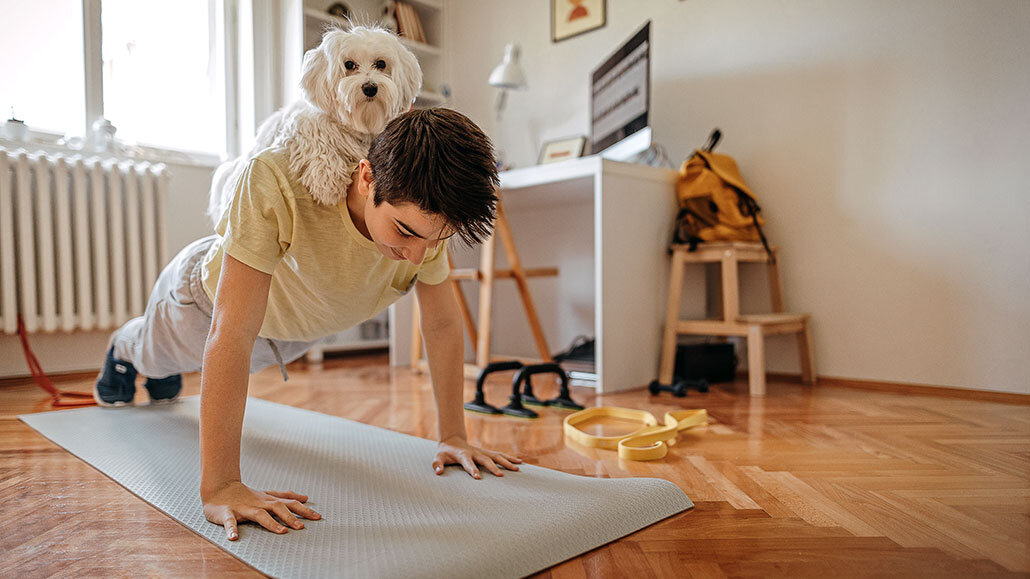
369, 89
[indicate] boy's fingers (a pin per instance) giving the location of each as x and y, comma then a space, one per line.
286, 516
288, 495
306, 512
438, 466
490, 465
261, 517
469, 465
230, 528
505, 462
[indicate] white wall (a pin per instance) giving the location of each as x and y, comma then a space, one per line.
886, 142
79, 351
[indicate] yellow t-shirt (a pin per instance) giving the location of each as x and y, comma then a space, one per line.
326, 275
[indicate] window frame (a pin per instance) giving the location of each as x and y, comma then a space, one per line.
261, 46
226, 25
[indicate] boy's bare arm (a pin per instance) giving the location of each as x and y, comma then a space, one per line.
445, 349
441, 327
238, 312
236, 320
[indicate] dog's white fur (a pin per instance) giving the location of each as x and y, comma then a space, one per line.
329, 130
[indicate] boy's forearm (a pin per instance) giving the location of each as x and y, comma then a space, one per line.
223, 397
445, 351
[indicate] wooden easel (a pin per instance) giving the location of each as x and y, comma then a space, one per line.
479, 333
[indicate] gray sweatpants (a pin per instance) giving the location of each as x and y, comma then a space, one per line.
170, 336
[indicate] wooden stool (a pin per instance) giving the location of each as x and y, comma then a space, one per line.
754, 327
479, 333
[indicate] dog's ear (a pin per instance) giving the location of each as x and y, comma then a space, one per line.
314, 81
408, 76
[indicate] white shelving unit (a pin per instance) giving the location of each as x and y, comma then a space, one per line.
374, 334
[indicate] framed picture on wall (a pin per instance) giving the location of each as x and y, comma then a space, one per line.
574, 17
562, 149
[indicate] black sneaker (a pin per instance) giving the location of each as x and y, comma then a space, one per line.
116, 385
164, 390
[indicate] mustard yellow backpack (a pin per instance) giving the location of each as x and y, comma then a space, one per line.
715, 203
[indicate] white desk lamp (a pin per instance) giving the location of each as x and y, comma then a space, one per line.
507, 75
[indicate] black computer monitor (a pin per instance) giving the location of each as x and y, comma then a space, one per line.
620, 99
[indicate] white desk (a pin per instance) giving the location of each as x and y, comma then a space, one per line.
606, 225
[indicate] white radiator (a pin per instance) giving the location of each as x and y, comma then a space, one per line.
81, 240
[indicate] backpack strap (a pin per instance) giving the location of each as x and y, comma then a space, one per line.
753, 208
713, 140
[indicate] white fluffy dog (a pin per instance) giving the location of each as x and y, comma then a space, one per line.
354, 83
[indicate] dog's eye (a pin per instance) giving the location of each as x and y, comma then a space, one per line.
380, 64
350, 65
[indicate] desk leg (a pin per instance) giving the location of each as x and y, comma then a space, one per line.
486, 296
633, 218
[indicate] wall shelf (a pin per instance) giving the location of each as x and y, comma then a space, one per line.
430, 99
421, 49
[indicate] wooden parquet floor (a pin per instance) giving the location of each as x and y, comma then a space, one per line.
807, 482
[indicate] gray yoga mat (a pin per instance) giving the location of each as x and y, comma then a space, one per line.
385, 513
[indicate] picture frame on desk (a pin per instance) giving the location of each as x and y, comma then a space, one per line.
574, 17
562, 149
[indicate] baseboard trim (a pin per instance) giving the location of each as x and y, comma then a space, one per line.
55, 378
895, 387
335, 359
904, 388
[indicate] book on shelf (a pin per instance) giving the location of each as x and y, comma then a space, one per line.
399, 15
412, 19
420, 32
408, 22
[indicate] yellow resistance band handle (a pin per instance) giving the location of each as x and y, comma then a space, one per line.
650, 442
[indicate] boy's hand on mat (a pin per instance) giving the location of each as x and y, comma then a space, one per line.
235, 502
458, 451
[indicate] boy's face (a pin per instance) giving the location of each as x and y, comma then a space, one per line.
402, 231
399, 231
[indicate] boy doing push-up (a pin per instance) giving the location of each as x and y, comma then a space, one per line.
284, 271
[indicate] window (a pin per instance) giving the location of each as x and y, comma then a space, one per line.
41, 58
161, 73
161, 69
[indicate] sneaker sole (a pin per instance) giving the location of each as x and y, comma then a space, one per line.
100, 401
160, 401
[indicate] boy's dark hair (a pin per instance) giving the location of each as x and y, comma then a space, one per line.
440, 161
